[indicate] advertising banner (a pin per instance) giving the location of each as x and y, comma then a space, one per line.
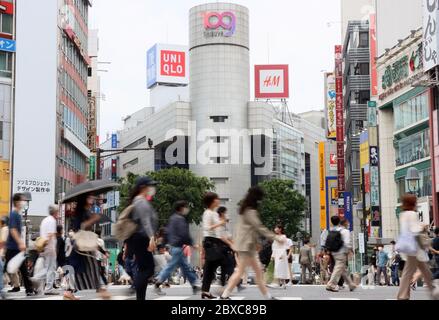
330, 105
348, 210
167, 64
322, 186
333, 161
331, 199
430, 34
339, 127
272, 81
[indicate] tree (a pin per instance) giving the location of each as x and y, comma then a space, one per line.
174, 184
282, 205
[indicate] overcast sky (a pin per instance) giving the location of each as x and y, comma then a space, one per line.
295, 32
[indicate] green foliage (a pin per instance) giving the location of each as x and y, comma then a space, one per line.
282, 205
174, 184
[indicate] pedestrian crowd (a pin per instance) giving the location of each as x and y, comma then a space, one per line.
162, 257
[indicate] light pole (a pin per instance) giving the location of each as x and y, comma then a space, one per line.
412, 180
27, 196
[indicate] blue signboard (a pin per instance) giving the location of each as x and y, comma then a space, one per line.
151, 67
114, 141
7, 45
348, 210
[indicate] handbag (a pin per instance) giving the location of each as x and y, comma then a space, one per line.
213, 251
40, 244
125, 227
423, 240
86, 241
15, 263
407, 244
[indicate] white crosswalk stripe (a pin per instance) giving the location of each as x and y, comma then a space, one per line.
344, 299
289, 298
237, 298
167, 298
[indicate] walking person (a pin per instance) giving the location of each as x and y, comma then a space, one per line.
228, 264
3, 239
382, 260
248, 229
84, 263
412, 253
212, 243
435, 251
395, 259
280, 258
338, 242
305, 260
61, 259
178, 237
48, 233
15, 244
141, 244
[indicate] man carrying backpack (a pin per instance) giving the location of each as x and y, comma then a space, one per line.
338, 242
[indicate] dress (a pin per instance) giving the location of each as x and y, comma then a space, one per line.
280, 259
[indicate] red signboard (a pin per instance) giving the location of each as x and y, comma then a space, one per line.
339, 127
173, 63
6, 7
272, 81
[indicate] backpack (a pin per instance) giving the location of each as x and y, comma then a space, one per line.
334, 241
125, 226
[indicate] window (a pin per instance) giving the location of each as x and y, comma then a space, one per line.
412, 148
131, 163
217, 181
217, 119
6, 64
364, 40
6, 23
360, 69
218, 160
411, 111
90, 72
219, 139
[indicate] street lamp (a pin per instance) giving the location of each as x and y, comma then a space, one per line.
27, 196
412, 180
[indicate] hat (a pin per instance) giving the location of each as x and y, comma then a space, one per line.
145, 181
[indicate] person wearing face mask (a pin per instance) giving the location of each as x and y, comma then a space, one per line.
178, 237
142, 243
15, 244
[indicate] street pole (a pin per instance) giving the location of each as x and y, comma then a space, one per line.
363, 189
98, 164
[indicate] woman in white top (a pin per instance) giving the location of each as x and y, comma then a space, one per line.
212, 244
410, 227
280, 257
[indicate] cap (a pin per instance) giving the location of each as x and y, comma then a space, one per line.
145, 181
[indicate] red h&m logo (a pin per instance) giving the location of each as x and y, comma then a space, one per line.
173, 63
272, 81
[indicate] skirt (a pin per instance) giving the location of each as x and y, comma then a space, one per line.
87, 272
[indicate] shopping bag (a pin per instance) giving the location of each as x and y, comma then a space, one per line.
15, 263
269, 273
407, 244
39, 270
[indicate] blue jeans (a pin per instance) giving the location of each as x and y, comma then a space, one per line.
131, 268
178, 260
395, 275
1, 275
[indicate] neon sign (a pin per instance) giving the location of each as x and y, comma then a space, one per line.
215, 20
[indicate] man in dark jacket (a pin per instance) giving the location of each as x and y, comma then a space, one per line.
177, 235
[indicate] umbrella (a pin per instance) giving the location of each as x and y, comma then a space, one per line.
94, 187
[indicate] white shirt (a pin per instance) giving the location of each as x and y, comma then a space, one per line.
346, 237
210, 218
48, 228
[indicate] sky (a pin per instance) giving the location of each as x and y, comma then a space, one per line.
295, 32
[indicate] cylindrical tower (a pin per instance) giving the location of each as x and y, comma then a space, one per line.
219, 94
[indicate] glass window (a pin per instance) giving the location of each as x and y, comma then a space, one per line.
411, 111
364, 40
6, 24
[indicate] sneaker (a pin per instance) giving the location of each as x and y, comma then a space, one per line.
51, 293
158, 291
16, 289
332, 289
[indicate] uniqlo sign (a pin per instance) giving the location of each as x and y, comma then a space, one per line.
167, 64
173, 63
271, 81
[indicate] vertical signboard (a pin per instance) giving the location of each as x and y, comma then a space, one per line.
330, 96
322, 176
374, 162
114, 141
430, 34
339, 128
373, 55
35, 145
348, 210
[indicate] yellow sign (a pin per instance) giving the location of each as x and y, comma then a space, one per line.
364, 154
4, 188
322, 175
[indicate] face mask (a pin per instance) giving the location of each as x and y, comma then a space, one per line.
152, 191
186, 211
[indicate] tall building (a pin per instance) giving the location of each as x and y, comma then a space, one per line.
356, 82
7, 72
357, 10
51, 116
93, 91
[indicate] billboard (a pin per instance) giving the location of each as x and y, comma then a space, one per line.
272, 81
167, 64
339, 127
322, 176
35, 145
330, 105
430, 34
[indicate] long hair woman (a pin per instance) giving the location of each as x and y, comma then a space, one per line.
87, 272
248, 230
212, 244
142, 242
410, 226
280, 257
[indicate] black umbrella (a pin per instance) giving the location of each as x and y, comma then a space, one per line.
95, 187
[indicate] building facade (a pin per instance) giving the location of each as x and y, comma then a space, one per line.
404, 129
